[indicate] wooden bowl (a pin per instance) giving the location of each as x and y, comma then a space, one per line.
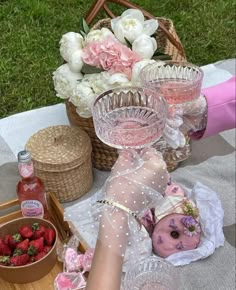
30, 272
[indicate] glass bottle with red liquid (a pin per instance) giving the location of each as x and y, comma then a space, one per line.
30, 189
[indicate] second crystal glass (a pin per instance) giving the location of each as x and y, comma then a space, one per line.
180, 84
130, 117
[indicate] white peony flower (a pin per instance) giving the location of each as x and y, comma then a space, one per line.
106, 81
82, 98
131, 24
138, 66
150, 26
127, 27
144, 46
97, 82
98, 35
76, 63
118, 80
91, 86
103, 81
134, 13
69, 43
65, 81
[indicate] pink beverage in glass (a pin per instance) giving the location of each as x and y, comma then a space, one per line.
178, 82
175, 91
129, 117
132, 130
30, 189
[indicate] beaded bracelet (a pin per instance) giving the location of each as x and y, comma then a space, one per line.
120, 206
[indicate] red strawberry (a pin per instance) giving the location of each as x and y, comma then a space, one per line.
39, 231
12, 240
4, 260
26, 232
49, 236
6, 239
23, 246
36, 246
47, 249
39, 256
4, 248
19, 260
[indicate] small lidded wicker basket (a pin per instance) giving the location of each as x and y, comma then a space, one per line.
62, 160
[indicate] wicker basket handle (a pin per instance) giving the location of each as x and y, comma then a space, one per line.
102, 4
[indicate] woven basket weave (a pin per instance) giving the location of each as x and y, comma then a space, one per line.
62, 160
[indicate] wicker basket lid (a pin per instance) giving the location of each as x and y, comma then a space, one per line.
59, 148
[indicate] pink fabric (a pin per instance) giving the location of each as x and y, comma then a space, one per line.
221, 108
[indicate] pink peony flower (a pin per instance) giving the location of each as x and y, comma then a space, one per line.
110, 55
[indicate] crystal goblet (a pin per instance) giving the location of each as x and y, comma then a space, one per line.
152, 273
130, 117
180, 84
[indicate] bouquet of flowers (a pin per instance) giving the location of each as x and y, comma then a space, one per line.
102, 59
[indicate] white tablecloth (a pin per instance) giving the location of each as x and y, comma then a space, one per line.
212, 163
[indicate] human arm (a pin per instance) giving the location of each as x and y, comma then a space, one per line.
130, 174
107, 263
221, 106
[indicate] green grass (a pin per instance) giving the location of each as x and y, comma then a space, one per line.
31, 29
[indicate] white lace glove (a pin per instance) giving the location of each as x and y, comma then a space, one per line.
194, 115
172, 134
136, 184
183, 119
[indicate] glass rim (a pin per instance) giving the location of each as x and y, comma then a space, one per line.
179, 63
120, 89
161, 112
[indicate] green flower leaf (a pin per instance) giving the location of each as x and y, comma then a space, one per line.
83, 33
129, 44
88, 69
85, 26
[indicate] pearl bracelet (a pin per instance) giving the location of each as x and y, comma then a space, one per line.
122, 207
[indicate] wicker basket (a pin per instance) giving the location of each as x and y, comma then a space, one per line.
62, 160
103, 156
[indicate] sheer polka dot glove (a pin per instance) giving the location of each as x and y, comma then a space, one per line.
137, 179
137, 182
